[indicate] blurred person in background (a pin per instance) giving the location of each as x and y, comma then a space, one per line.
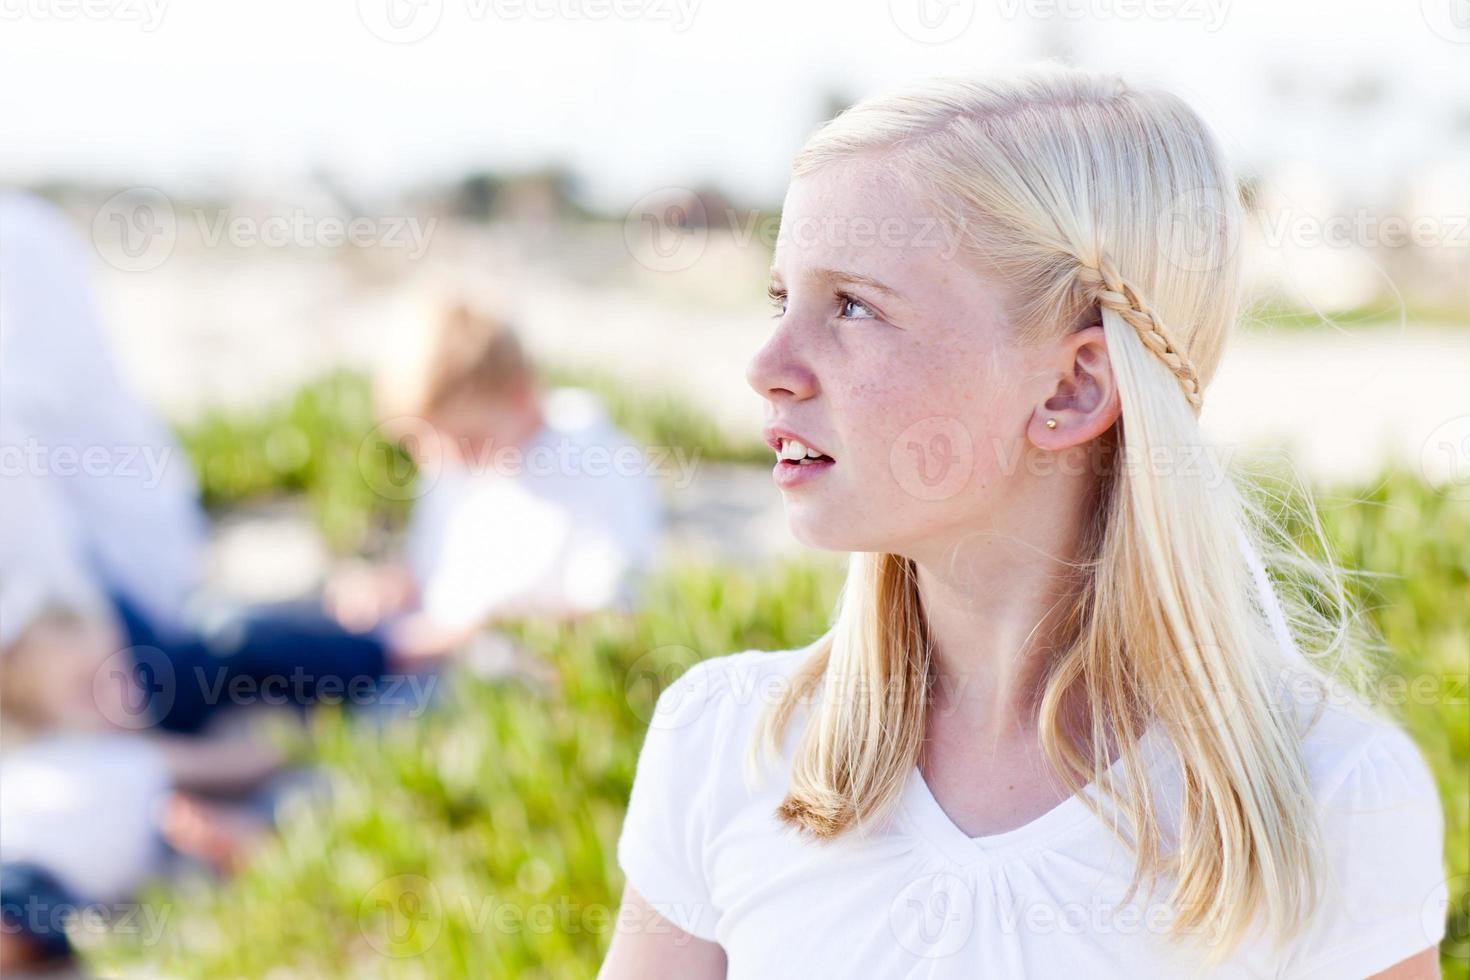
90, 788
528, 502
121, 492
136, 514
110, 697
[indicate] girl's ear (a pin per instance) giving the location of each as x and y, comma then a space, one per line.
1084, 399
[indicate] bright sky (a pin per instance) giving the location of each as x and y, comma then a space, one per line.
198, 93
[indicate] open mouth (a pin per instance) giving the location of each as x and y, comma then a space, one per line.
794, 453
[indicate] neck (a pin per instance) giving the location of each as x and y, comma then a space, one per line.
997, 604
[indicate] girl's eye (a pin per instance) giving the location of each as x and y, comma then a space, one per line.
856, 309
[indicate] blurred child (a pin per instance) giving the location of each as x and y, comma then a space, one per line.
528, 502
86, 775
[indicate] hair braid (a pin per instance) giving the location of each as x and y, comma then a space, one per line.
1111, 291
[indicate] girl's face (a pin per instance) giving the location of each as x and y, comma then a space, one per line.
890, 356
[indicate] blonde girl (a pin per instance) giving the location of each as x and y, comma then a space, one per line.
1062, 724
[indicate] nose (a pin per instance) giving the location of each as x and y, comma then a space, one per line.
776, 372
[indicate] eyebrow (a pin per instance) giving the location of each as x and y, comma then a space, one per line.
838, 275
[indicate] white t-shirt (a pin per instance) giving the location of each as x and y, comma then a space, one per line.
42, 564
558, 525
85, 808
127, 487
920, 898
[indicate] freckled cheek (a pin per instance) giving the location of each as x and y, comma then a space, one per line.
879, 399
872, 416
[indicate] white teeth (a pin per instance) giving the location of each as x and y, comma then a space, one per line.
792, 450
796, 452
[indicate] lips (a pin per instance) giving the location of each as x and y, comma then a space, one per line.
792, 447
798, 462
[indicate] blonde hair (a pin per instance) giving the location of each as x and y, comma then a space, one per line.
472, 352
1085, 196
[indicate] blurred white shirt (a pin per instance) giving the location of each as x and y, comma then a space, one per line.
41, 564
78, 428
559, 525
85, 808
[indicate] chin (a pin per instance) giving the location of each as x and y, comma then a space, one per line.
828, 528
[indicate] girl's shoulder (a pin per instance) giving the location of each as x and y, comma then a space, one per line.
728, 691
689, 784
1382, 827
1356, 755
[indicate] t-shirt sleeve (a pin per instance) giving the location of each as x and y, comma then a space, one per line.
1383, 831
662, 847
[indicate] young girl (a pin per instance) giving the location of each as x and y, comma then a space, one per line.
1061, 726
